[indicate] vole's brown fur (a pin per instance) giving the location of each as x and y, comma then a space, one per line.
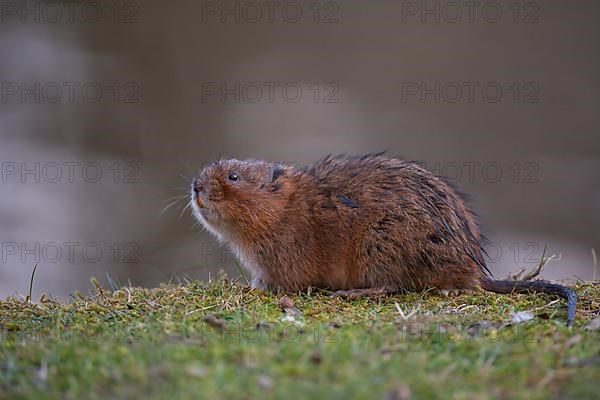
347, 224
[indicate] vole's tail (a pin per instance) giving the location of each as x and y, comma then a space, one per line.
495, 286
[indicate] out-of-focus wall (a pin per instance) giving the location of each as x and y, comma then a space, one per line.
108, 109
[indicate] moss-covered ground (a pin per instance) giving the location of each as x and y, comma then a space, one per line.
225, 340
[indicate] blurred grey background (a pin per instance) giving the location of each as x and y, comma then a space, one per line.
109, 108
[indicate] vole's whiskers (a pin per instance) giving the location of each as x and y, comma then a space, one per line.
188, 205
185, 178
173, 201
198, 223
187, 165
178, 197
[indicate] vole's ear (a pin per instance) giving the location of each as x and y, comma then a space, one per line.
279, 170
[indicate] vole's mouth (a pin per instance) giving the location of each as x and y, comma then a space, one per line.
207, 216
202, 207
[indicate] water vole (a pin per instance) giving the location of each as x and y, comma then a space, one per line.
356, 225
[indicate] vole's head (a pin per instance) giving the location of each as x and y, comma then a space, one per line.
233, 197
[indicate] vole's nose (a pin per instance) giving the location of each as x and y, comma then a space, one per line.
197, 186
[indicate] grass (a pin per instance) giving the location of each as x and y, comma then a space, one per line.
225, 340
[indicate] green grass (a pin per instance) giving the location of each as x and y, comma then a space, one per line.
225, 340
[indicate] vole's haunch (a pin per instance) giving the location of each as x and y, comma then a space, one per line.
356, 225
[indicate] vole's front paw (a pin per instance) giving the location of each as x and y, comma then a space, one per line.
259, 284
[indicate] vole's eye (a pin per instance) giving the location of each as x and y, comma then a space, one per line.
233, 176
